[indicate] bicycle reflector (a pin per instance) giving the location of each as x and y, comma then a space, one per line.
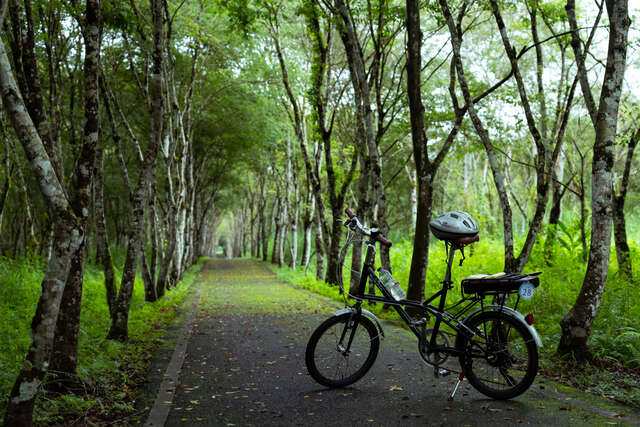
529, 319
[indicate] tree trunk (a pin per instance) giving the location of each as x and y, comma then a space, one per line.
420, 255
119, 325
67, 240
103, 254
319, 247
295, 213
64, 356
307, 223
24, 55
364, 214
164, 279
64, 360
620, 238
266, 231
150, 294
499, 180
362, 93
576, 325
7, 172
619, 223
28, 216
275, 250
261, 219
555, 213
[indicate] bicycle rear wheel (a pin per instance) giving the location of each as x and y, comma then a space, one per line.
328, 359
501, 359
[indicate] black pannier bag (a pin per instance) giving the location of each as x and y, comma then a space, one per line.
508, 283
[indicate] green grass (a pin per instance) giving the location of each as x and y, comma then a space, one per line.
108, 370
615, 338
235, 291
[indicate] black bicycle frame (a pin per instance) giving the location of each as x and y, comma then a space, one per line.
368, 273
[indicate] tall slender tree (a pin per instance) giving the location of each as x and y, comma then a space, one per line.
576, 325
119, 325
64, 360
426, 166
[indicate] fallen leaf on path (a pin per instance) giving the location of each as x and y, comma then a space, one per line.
395, 388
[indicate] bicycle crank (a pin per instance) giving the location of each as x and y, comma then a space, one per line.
433, 358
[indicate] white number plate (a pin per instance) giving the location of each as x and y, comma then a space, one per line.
526, 290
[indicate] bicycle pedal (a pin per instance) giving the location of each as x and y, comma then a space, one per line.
440, 372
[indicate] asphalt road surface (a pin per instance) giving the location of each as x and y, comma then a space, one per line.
237, 359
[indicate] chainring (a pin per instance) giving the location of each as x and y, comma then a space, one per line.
434, 358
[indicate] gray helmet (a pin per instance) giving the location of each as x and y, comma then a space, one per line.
454, 225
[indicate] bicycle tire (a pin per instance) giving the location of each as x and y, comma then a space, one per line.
330, 366
501, 360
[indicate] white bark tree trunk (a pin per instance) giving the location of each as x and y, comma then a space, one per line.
68, 237
576, 325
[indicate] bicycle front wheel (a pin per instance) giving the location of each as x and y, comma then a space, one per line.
501, 359
331, 360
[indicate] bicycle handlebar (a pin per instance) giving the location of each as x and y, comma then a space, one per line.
374, 232
383, 240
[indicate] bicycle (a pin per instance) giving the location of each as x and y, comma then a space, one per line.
496, 345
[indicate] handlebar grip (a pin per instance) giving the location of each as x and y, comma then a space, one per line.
383, 240
349, 213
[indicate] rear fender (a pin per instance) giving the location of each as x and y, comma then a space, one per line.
365, 313
510, 311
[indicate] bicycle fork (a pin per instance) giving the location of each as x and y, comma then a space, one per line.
353, 320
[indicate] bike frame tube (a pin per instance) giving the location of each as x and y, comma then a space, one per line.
446, 285
368, 273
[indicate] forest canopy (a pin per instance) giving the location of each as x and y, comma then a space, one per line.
165, 130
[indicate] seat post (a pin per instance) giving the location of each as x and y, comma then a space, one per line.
447, 277
446, 285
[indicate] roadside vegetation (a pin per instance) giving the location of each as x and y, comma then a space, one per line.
109, 371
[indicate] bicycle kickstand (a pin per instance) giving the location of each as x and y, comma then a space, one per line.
460, 378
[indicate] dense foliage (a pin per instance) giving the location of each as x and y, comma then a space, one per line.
109, 372
177, 129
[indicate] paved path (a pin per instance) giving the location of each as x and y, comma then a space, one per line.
244, 366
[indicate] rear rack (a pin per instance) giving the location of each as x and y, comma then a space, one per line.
509, 283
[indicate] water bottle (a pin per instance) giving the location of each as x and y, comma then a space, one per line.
391, 285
